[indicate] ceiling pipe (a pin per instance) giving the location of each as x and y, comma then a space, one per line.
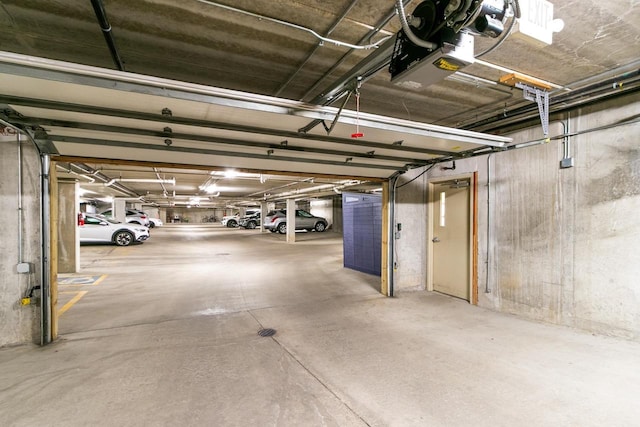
331, 93
295, 26
101, 15
104, 179
290, 184
164, 189
318, 188
315, 49
72, 172
171, 181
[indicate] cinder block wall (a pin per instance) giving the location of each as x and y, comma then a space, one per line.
564, 244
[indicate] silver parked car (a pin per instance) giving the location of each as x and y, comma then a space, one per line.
250, 221
277, 221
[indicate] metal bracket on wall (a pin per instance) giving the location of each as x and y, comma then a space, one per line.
541, 97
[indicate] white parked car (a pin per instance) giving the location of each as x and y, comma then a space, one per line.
155, 222
98, 228
133, 216
230, 221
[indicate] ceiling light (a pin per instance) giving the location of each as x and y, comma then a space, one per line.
557, 25
212, 188
230, 173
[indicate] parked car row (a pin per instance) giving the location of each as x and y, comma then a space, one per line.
235, 220
136, 216
100, 229
276, 220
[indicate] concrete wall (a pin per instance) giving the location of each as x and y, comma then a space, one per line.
564, 244
19, 324
322, 208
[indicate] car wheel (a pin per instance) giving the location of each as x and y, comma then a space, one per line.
251, 225
282, 228
123, 238
273, 230
320, 227
232, 224
151, 225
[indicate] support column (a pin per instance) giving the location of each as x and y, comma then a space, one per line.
119, 210
263, 214
291, 221
68, 237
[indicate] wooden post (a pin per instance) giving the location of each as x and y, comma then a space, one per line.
385, 270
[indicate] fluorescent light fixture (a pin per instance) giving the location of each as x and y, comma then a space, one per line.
230, 173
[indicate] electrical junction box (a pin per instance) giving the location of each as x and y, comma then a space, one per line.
23, 268
566, 163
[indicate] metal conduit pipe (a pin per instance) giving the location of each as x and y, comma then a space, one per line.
45, 250
315, 49
297, 181
391, 247
72, 172
295, 26
171, 181
99, 176
323, 98
101, 15
487, 287
164, 189
20, 222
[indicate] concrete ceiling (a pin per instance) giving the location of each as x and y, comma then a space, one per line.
201, 42
194, 41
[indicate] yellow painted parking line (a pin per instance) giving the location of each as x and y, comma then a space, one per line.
97, 282
73, 300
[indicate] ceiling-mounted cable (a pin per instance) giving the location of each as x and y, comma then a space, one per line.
101, 15
296, 26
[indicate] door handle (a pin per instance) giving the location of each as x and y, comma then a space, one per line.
435, 240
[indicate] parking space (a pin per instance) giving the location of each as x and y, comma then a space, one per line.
170, 336
185, 270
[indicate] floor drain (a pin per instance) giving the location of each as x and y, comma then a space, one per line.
267, 332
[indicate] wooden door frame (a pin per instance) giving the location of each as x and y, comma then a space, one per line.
473, 231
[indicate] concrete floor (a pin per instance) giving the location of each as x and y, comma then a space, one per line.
169, 337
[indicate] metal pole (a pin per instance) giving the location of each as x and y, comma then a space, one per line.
45, 218
20, 251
